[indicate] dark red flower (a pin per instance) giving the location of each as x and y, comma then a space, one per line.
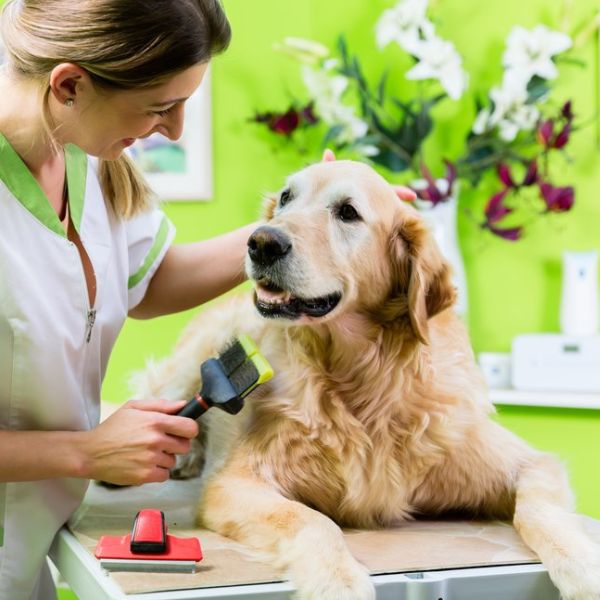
504, 175
494, 209
285, 123
433, 192
531, 176
563, 137
566, 111
308, 114
557, 199
546, 135
545, 132
511, 234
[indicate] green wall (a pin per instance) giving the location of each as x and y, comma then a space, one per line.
513, 288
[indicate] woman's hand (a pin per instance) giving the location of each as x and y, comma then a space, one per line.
138, 443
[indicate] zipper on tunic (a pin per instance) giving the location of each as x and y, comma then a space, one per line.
91, 319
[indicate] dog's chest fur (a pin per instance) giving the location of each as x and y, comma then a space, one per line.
339, 447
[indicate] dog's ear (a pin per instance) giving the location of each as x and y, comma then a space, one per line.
423, 276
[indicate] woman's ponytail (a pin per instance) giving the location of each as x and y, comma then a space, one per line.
124, 187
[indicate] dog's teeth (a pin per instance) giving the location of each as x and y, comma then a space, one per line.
269, 297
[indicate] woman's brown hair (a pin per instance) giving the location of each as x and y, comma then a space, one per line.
123, 45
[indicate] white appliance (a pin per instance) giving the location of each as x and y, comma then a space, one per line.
579, 297
556, 362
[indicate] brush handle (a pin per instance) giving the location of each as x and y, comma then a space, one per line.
195, 408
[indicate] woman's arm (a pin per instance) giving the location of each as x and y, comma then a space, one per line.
136, 444
191, 274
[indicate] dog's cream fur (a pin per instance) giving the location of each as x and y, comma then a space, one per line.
377, 412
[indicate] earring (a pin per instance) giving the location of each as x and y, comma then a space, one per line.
69, 102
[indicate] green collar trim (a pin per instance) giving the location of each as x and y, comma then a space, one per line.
76, 160
25, 188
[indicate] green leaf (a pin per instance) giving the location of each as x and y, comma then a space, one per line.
343, 48
381, 88
404, 107
571, 60
431, 102
390, 160
333, 133
537, 88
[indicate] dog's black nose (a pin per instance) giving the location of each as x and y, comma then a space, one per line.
268, 245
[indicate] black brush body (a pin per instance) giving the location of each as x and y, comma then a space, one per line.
217, 390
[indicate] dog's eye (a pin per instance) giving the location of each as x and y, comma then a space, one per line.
347, 212
285, 197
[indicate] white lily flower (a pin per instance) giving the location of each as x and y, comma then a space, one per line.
507, 98
507, 130
511, 112
522, 118
353, 129
303, 50
367, 150
530, 52
438, 59
405, 24
525, 116
330, 64
482, 121
322, 86
327, 91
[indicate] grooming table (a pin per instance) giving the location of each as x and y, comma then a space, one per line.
422, 560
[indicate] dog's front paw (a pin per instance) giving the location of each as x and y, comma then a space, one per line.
345, 579
578, 578
191, 464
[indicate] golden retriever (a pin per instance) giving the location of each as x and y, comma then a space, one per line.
377, 412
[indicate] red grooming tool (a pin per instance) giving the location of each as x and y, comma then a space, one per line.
149, 548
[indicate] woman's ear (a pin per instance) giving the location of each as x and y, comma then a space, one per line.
68, 81
424, 276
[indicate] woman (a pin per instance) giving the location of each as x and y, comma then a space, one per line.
81, 247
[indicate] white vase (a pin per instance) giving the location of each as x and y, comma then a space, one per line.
441, 218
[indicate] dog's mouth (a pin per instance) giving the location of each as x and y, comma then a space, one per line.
274, 302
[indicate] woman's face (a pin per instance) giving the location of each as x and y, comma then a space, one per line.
104, 124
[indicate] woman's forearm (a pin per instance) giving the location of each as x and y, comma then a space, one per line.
192, 274
35, 455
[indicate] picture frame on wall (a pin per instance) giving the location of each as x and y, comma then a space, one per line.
181, 170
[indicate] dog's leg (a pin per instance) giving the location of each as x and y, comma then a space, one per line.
545, 520
303, 543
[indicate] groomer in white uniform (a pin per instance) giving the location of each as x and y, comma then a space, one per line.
81, 247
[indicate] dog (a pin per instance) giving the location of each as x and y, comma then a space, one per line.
377, 412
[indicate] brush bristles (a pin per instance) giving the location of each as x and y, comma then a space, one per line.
244, 365
254, 371
244, 379
233, 357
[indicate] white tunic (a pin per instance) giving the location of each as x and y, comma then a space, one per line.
53, 353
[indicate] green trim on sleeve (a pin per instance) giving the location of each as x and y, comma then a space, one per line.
26, 189
159, 242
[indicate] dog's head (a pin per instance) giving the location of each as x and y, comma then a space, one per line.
338, 241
